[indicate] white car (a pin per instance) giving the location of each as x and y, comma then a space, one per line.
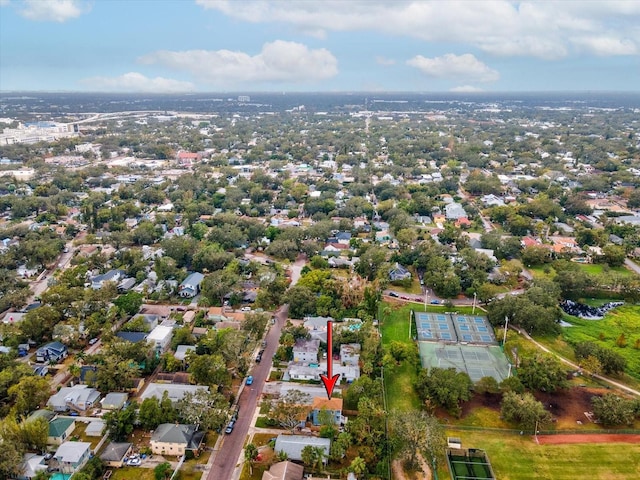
245, 309
134, 462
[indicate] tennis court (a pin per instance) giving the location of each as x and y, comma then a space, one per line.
469, 464
476, 360
464, 342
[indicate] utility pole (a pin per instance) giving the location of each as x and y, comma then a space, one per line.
473, 311
506, 324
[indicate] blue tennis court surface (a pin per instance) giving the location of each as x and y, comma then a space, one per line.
464, 342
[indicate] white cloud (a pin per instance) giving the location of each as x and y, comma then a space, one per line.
458, 67
500, 27
52, 10
278, 61
466, 89
136, 82
4, 2
606, 46
386, 62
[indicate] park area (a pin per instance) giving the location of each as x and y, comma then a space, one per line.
619, 330
516, 457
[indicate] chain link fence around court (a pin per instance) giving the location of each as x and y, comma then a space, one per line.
464, 342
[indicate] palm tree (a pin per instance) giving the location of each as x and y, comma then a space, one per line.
358, 466
250, 455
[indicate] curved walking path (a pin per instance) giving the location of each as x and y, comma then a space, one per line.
574, 365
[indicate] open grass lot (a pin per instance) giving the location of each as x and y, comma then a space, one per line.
399, 381
128, 473
516, 457
622, 320
593, 269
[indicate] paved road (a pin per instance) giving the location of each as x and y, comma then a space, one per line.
38, 287
632, 266
227, 457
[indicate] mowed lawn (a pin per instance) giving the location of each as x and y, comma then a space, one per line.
593, 269
621, 320
515, 457
398, 381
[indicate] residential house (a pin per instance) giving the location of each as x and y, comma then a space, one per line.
454, 211
51, 352
317, 327
398, 273
293, 445
190, 287
175, 439
383, 236
160, 338
133, 337
350, 354
343, 238
174, 391
72, 456
492, 201
114, 276
78, 397
284, 471
95, 428
115, 453
114, 400
126, 284
183, 350
306, 350
332, 406
297, 371
32, 464
59, 430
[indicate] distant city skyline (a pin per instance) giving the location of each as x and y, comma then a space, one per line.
172, 46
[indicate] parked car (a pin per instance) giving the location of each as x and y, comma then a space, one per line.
48, 456
249, 380
393, 294
264, 343
93, 341
259, 356
229, 428
435, 302
245, 309
134, 462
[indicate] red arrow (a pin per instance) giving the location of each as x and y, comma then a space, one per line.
328, 380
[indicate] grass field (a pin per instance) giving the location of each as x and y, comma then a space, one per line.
593, 269
622, 320
399, 382
515, 457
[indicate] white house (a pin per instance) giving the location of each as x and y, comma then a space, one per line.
160, 337
306, 350
293, 445
72, 456
190, 287
78, 397
111, 276
174, 391
350, 354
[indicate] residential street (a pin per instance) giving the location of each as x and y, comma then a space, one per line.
228, 456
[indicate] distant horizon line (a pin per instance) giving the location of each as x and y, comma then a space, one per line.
292, 92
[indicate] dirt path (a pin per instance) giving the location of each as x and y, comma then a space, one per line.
400, 474
587, 438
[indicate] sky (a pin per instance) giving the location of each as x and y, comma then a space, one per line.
159, 46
